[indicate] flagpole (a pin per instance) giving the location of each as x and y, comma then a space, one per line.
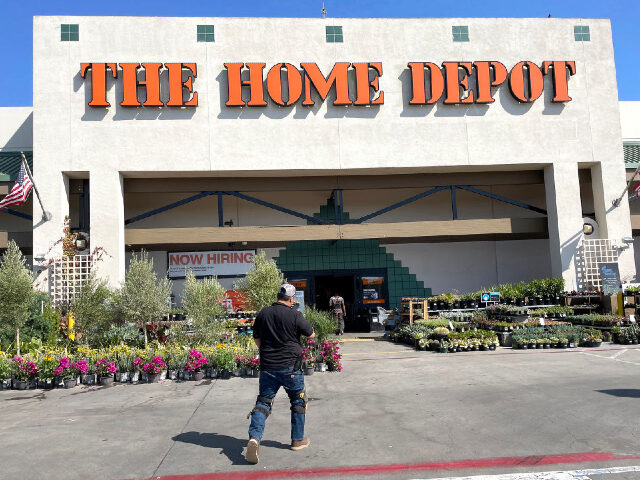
45, 215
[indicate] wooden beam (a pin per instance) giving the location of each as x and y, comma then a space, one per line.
4, 188
354, 182
635, 222
4, 239
383, 231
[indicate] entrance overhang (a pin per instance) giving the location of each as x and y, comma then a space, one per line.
383, 231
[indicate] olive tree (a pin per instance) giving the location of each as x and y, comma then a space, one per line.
262, 282
93, 309
202, 302
16, 290
143, 296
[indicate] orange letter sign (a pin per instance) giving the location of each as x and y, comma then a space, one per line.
294, 84
338, 76
130, 84
98, 81
560, 79
534, 82
177, 86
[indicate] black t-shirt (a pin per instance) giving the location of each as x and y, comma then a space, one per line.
279, 328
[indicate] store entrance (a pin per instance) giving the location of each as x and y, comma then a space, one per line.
327, 286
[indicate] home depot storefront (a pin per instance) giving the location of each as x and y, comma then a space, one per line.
382, 165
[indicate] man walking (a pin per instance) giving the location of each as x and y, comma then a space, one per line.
336, 304
277, 331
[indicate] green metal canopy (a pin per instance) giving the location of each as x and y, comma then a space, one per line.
10, 165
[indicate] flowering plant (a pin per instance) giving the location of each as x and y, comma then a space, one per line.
309, 357
195, 361
46, 367
138, 363
329, 354
155, 366
255, 363
66, 369
105, 368
24, 369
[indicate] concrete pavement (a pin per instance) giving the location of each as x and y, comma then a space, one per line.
391, 406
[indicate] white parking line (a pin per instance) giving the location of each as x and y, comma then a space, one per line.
566, 475
617, 354
611, 358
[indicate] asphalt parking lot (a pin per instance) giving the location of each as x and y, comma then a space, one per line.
392, 413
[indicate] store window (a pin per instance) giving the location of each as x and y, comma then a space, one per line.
206, 33
460, 33
334, 34
581, 33
69, 32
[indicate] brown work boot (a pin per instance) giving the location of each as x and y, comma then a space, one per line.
252, 450
300, 444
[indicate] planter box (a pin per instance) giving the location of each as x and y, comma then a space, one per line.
122, 377
88, 378
172, 374
134, 377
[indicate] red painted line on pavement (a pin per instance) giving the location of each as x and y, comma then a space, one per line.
527, 461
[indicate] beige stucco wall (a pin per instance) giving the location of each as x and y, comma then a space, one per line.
630, 121
71, 138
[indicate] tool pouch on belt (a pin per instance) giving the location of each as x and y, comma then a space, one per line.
298, 365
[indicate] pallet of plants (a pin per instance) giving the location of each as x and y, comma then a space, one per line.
481, 320
470, 341
629, 335
555, 336
507, 313
604, 321
557, 311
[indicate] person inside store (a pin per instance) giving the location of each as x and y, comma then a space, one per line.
338, 310
276, 331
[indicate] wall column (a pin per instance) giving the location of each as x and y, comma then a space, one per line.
107, 223
564, 208
54, 192
609, 182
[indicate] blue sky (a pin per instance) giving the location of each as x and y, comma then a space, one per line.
16, 20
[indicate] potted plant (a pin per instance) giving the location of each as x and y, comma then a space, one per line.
329, 352
308, 359
444, 346
440, 333
562, 342
124, 359
24, 372
5, 372
225, 362
196, 363
67, 371
105, 371
46, 365
153, 369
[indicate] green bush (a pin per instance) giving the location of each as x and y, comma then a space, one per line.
143, 297
323, 323
262, 282
94, 311
202, 303
16, 290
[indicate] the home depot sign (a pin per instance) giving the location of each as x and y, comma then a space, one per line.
355, 83
207, 264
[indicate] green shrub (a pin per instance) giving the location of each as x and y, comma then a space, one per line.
323, 323
94, 311
262, 282
143, 297
16, 290
202, 303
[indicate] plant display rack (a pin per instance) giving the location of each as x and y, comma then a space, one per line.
410, 304
585, 302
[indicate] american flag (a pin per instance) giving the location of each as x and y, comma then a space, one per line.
20, 191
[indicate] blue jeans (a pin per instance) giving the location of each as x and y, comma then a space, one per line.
270, 383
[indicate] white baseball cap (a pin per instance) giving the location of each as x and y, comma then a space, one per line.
287, 289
